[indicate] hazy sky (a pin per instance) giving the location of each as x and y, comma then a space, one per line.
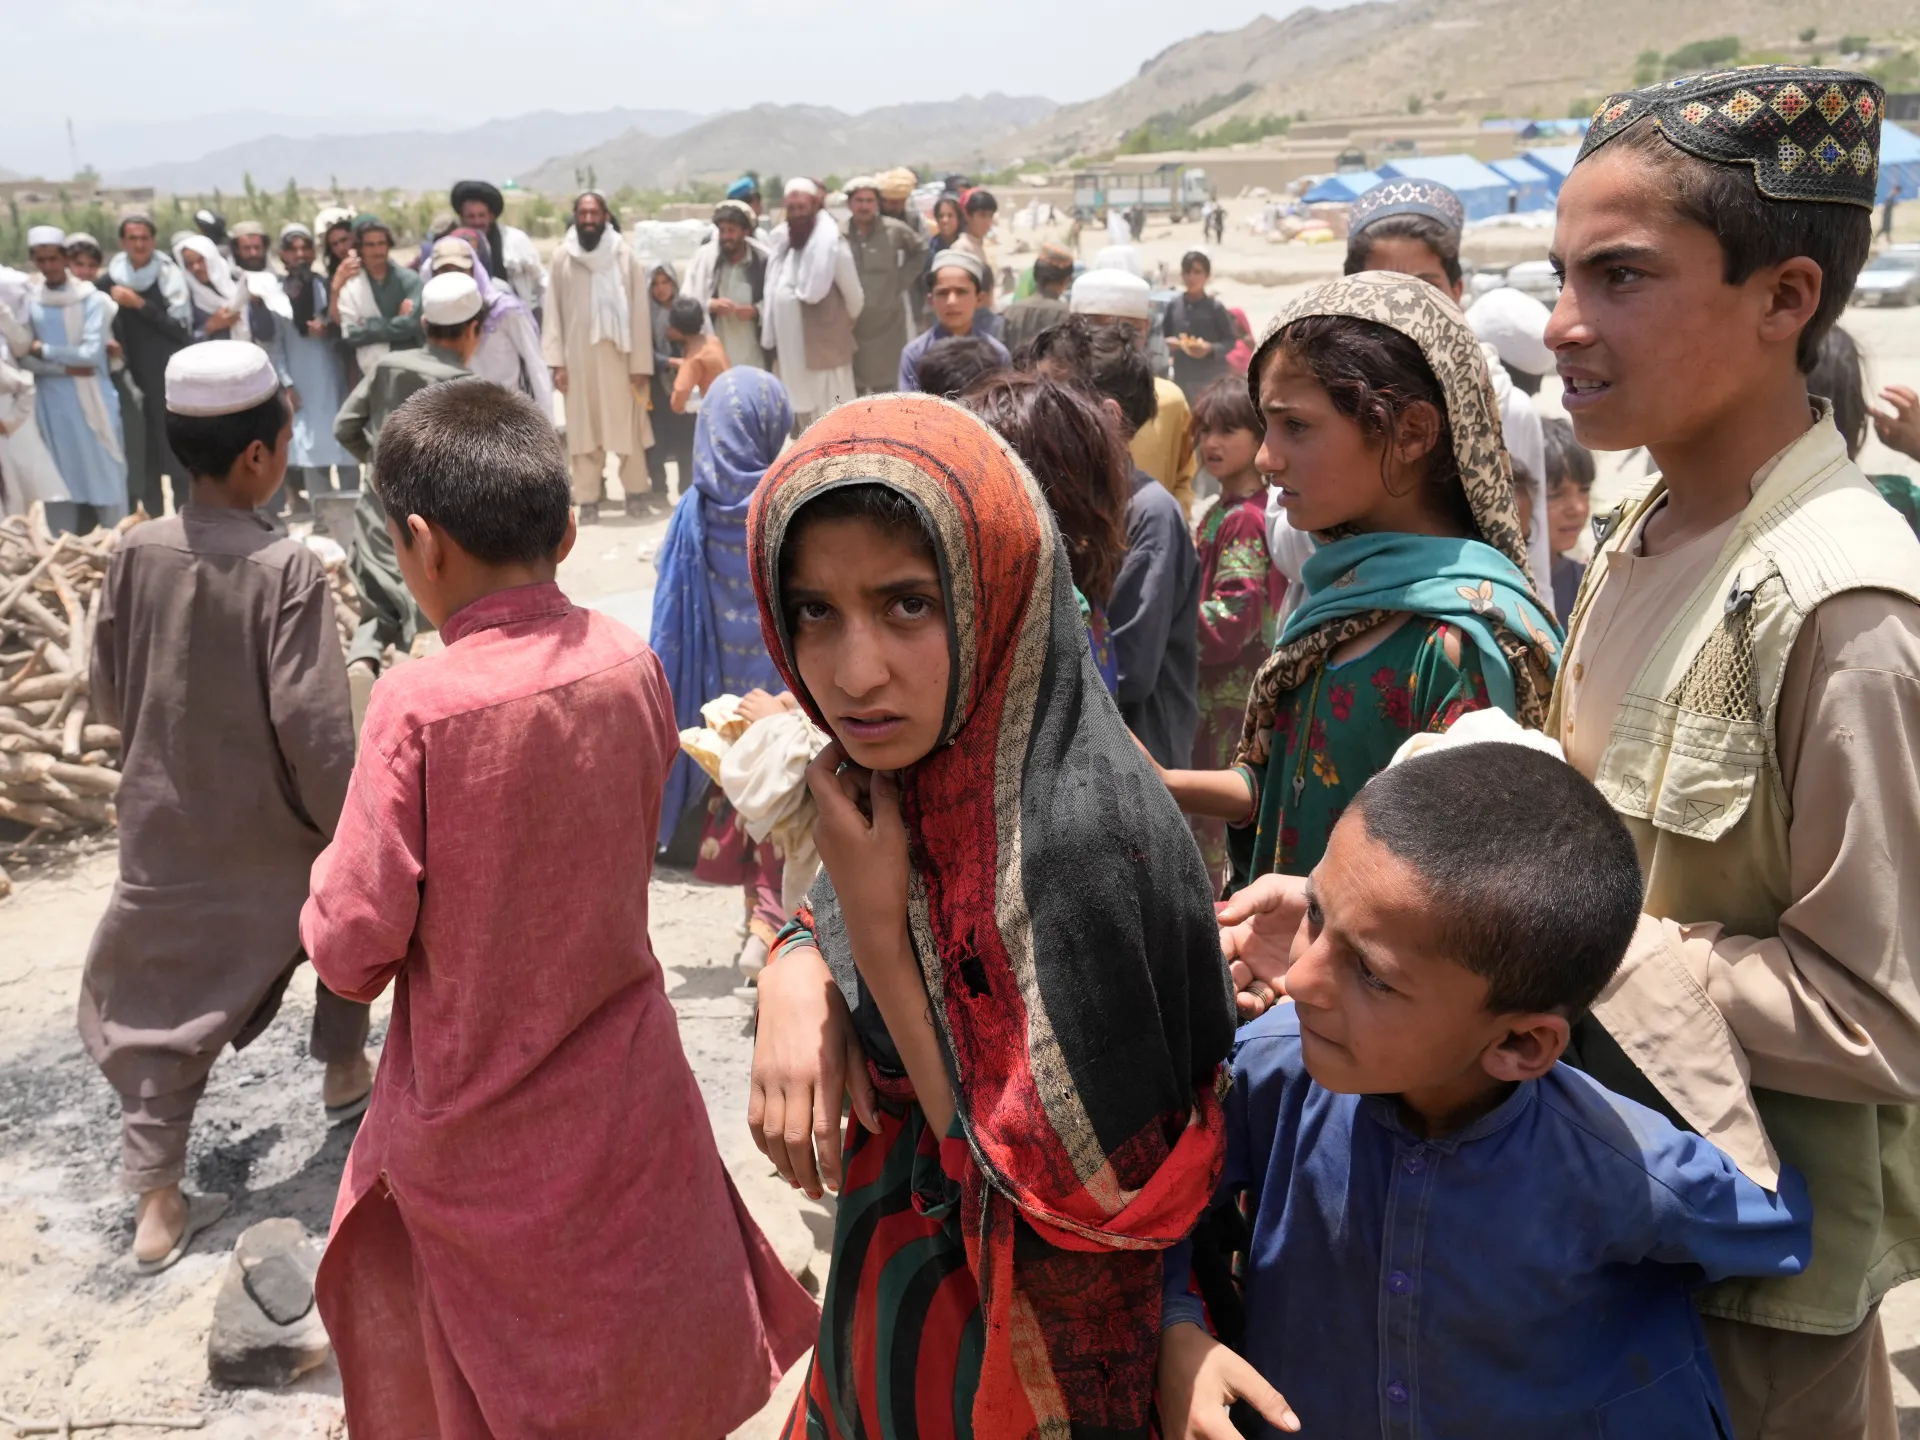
408, 60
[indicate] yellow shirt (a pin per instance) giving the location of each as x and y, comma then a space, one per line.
1163, 447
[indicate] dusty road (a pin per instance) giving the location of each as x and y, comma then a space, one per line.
80, 1335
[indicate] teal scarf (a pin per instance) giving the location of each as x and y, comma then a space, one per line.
1465, 583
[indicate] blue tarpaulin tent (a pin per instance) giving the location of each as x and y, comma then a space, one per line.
1535, 192
1899, 162
1340, 188
1483, 192
1552, 161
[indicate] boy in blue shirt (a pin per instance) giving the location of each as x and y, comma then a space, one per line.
1447, 1232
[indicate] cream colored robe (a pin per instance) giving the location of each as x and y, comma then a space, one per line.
603, 414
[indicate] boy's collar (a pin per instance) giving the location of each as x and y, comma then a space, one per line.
1385, 1110
505, 607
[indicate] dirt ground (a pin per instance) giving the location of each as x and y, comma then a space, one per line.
81, 1335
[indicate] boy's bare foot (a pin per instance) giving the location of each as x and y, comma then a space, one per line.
347, 1087
159, 1222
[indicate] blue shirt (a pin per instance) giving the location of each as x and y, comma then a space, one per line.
917, 348
1527, 1276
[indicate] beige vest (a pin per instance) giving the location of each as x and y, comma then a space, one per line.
1692, 769
826, 331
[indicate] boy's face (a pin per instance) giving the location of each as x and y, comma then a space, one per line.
1568, 510
1654, 346
1404, 255
1382, 1010
955, 298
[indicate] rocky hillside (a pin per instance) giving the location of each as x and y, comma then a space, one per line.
1480, 57
797, 140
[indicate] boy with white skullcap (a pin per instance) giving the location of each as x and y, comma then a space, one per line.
218, 658
451, 312
1163, 445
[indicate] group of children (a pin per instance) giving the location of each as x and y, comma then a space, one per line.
1537, 1050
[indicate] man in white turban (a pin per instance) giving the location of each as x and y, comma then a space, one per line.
813, 299
598, 341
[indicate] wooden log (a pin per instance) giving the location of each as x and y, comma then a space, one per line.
32, 813
75, 727
25, 582
41, 687
41, 618
101, 737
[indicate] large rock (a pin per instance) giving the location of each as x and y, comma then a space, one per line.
266, 1330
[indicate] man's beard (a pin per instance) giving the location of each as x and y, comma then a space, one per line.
255, 263
589, 235
800, 230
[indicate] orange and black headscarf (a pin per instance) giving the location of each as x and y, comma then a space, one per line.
1062, 921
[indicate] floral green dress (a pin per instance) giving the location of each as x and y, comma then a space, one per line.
1341, 727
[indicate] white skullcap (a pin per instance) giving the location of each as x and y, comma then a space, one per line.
1515, 324
40, 235
861, 182
1118, 257
1111, 292
952, 259
449, 299
1478, 727
801, 185
219, 377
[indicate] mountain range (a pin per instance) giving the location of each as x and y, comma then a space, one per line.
798, 140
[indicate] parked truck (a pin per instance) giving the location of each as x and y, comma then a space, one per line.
1177, 189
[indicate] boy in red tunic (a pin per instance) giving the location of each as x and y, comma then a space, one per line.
535, 1234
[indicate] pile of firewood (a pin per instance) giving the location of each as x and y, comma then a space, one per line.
58, 769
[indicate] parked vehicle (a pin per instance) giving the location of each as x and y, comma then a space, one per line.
1891, 278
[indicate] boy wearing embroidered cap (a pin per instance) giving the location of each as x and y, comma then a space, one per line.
958, 293
1743, 684
217, 657
451, 310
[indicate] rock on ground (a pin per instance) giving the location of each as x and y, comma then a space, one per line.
266, 1331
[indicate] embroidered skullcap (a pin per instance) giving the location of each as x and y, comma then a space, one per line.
898, 183
294, 230
735, 212
466, 190
1515, 324
960, 260
450, 299
1808, 134
1057, 256
743, 187
860, 182
1111, 292
801, 185
450, 251
247, 227
41, 235
1408, 197
218, 377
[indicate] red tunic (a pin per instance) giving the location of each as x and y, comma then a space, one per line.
534, 1234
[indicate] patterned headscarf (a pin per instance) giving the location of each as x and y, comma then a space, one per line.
1452, 351
1061, 918
1809, 134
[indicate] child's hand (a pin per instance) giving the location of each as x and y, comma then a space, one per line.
1257, 927
805, 1058
862, 841
758, 705
1200, 1378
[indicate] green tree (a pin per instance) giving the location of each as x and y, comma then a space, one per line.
1415, 104
1853, 44
1808, 35
1704, 55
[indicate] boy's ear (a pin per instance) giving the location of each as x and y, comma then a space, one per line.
1532, 1045
1793, 290
565, 547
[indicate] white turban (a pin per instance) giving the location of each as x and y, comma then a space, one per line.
40, 235
1515, 324
1111, 292
1118, 257
801, 185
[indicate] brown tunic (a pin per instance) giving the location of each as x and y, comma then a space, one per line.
217, 656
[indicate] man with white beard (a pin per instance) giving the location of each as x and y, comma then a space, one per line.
598, 341
813, 298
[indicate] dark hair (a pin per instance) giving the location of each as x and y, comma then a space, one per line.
953, 365
1193, 258
1046, 275
1075, 451
142, 219
881, 505
1755, 232
209, 444
948, 198
1225, 405
483, 464
1539, 894
452, 334
85, 246
687, 315
1568, 461
1525, 485
981, 202
1838, 376
1440, 238
1106, 359
1374, 375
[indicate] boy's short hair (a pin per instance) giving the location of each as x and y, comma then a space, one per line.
1526, 486
1225, 405
1534, 881
951, 366
451, 334
209, 444
481, 462
1568, 461
686, 315
1755, 232
1441, 239
981, 202
1106, 359
1195, 259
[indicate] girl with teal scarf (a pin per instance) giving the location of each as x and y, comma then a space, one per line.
1384, 435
